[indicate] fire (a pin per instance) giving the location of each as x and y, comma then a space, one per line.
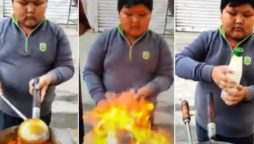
14, 142
124, 120
18, 142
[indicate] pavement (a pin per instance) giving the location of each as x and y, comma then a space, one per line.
164, 114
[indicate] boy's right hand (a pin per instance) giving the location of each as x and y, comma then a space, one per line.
219, 76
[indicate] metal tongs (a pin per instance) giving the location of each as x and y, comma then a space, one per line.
18, 112
36, 103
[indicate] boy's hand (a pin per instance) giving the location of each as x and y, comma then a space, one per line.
143, 92
233, 98
44, 82
102, 103
219, 76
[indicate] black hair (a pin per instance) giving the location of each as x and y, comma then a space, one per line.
234, 3
130, 3
46, 0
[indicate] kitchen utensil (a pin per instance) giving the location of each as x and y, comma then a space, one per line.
13, 107
186, 118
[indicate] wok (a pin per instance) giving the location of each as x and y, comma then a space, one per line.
56, 136
10, 134
213, 142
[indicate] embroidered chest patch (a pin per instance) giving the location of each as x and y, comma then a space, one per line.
146, 55
247, 60
43, 47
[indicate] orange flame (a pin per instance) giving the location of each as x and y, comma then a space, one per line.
124, 120
13, 142
18, 142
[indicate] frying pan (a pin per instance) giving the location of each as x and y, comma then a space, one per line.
10, 134
56, 136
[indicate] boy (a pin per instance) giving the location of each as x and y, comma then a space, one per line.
129, 56
205, 60
31, 46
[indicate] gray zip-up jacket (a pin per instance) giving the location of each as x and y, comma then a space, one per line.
114, 65
45, 50
196, 62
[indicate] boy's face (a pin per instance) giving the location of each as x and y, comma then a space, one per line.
135, 20
29, 13
238, 21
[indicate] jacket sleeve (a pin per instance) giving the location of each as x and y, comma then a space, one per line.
251, 93
63, 66
190, 63
93, 70
164, 74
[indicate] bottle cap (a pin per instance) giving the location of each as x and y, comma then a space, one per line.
238, 51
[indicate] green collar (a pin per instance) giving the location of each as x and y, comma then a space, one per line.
14, 20
120, 30
222, 33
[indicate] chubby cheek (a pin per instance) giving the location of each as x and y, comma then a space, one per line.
227, 22
126, 27
19, 14
145, 25
249, 27
40, 16
41, 11
227, 28
249, 30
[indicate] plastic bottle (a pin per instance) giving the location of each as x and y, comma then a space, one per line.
236, 67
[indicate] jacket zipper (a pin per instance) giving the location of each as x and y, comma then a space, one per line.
132, 46
26, 37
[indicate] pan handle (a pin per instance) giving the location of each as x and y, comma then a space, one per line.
186, 118
185, 111
36, 100
211, 126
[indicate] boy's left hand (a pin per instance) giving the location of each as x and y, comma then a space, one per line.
44, 82
143, 92
242, 94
